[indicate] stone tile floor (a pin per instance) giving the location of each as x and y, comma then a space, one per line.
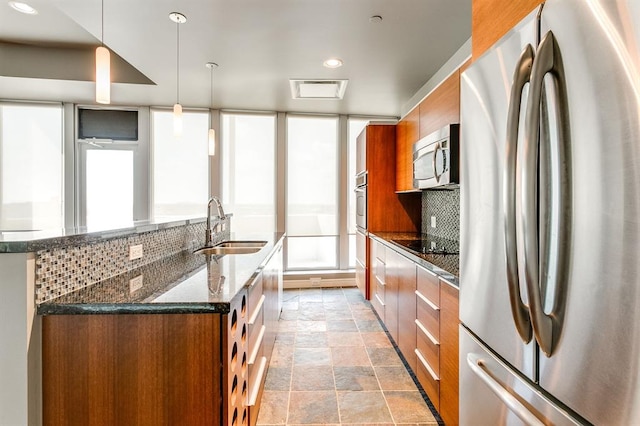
333, 364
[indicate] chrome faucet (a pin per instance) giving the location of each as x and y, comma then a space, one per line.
221, 216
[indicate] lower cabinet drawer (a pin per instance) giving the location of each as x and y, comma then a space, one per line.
428, 314
428, 379
378, 305
429, 347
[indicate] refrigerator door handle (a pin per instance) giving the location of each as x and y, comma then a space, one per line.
519, 311
481, 368
546, 327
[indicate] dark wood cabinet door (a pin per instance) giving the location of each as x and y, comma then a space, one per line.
449, 351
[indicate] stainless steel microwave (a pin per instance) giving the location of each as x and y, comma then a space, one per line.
436, 158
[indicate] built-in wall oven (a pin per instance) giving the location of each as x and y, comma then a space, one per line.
436, 158
361, 200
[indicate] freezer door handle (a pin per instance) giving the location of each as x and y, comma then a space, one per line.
546, 327
519, 310
481, 369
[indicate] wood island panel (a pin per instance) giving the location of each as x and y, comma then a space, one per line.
491, 19
442, 106
132, 369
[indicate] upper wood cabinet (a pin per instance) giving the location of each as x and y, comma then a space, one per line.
442, 106
407, 133
491, 19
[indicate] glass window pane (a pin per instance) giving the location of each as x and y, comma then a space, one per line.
311, 252
109, 188
180, 165
248, 171
31, 164
312, 176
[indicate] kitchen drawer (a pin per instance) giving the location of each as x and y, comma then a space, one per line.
429, 347
377, 251
379, 270
378, 304
428, 315
429, 285
428, 379
255, 294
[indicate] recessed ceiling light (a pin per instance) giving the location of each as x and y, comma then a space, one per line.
332, 63
23, 7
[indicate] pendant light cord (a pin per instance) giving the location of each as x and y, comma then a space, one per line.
178, 62
211, 101
102, 24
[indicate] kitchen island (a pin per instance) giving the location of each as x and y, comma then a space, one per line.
183, 340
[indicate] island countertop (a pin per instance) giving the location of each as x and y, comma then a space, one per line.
181, 283
32, 240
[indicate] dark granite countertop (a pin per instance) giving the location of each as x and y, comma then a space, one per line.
443, 261
25, 241
181, 283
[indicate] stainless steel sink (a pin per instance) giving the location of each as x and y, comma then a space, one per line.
233, 247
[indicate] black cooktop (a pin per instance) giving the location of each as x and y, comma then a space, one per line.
428, 246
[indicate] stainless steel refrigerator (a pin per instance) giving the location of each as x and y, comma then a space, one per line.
550, 220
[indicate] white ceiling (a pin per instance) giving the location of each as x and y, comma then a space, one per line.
258, 44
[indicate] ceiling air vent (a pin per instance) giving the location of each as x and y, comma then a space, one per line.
318, 89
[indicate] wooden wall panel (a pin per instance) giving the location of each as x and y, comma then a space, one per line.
387, 211
132, 369
491, 19
442, 106
402, 154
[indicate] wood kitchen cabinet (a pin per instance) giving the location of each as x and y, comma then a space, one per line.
362, 244
408, 133
420, 311
385, 210
449, 352
491, 19
442, 106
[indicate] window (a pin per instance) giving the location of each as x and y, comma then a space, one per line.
248, 167
180, 165
312, 204
356, 125
31, 166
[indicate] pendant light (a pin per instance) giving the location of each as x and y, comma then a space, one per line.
212, 132
178, 18
103, 67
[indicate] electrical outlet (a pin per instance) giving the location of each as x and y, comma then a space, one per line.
315, 281
135, 283
135, 252
433, 221
433, 245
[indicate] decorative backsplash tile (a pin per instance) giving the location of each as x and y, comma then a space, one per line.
62, 270
444, 205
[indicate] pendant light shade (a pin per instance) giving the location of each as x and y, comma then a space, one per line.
103, 68
177, 120
212, 132
178, 18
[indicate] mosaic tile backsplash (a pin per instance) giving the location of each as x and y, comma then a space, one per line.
63, 270
445, 206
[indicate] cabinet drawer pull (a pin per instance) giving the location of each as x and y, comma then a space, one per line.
425, 331
256, 311
253, 398
427, 301
425, 364
254, 352
379, 300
